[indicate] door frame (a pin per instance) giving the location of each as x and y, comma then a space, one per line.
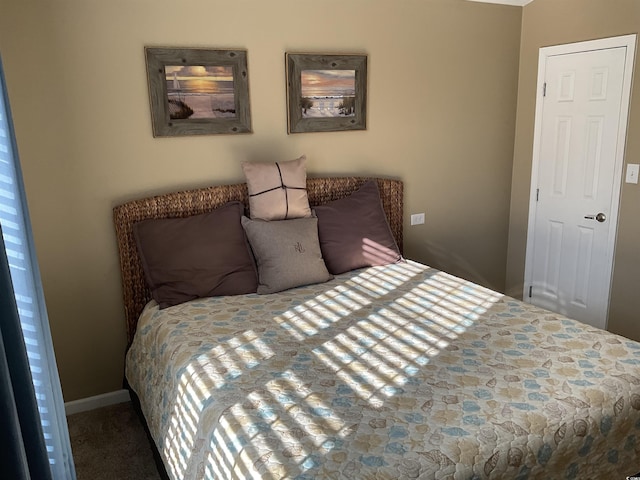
628, 41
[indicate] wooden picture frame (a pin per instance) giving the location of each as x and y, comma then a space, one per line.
196, 91
326, 93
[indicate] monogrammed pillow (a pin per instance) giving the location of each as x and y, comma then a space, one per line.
287, 253
277, 191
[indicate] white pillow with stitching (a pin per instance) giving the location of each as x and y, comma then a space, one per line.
277, 191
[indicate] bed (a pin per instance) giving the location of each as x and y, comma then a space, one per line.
390, 371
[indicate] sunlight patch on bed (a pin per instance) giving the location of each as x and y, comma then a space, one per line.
402, 339
415, 334
355, 373
225, 440
294, 412
306, 412
360, 291
305, 320
231, 455
202, 376
179, 437
388, 362
377, 356
221, 464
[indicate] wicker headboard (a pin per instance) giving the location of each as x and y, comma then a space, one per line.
192, 202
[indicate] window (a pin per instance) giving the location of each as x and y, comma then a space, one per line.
25, 276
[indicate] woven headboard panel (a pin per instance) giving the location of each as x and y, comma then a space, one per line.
192, 202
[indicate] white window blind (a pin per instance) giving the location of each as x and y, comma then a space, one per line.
25, 276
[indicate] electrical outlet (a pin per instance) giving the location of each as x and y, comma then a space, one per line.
417, 219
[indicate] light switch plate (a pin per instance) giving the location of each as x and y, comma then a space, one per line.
417, 219
632, 173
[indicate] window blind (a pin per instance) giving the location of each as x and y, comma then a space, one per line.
25, 276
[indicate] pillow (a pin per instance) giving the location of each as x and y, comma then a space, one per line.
277, 191
198, 256
354, 231
287, 253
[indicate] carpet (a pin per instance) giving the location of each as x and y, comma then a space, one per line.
110, 443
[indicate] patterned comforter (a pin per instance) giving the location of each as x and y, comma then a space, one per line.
395, 372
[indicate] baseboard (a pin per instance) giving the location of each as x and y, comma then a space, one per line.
98, 401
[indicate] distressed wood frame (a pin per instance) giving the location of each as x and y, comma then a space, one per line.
163, 125
296, 63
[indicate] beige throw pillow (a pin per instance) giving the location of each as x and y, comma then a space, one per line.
287, 253
277, 191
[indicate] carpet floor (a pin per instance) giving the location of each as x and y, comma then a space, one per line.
110, 444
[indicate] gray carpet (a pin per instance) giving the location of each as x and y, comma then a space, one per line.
110, 444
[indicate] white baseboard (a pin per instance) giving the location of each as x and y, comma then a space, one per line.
91, 403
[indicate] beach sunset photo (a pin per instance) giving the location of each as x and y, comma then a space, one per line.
197, 91
328, 93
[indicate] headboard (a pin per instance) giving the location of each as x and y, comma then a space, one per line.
192, 202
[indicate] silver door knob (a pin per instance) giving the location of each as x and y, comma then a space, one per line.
600, 217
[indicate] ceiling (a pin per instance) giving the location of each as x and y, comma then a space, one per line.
519, 3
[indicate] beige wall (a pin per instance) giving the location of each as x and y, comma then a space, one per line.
442, 93
552, 22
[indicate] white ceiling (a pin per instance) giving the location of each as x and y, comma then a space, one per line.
519, 3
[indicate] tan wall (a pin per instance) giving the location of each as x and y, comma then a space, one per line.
553, 22
442, 92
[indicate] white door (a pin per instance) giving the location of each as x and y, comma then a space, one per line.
576, 177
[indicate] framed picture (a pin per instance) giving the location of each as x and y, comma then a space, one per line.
196, 91
326, 93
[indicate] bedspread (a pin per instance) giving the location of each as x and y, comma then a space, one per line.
399, 371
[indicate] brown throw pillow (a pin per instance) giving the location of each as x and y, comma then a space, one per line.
277, 191
287, 253
354, 231
199, 256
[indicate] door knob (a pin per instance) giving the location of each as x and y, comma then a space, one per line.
600, 217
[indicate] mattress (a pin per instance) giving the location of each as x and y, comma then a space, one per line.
399, 371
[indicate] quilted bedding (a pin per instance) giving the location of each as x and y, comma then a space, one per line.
388, 372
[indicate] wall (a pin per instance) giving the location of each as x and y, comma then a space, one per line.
549, 22
442, 91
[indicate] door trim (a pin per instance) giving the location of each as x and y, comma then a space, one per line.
628, 41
